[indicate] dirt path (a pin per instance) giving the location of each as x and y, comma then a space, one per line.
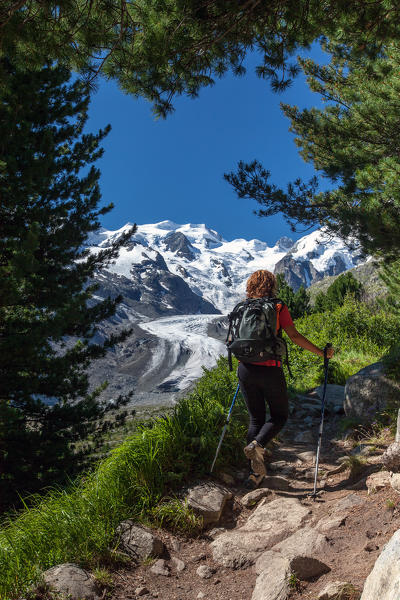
354, 544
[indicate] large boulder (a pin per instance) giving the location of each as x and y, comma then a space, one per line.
391, 457
368, 393
273, 583
138, 542
304, 549
72, 582
270, 523
383, 582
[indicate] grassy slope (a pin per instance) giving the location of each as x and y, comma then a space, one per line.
139, 478
367, 274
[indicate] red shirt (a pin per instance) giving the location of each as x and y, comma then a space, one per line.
285, 320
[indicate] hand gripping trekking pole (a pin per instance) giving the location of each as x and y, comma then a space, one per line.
321, 426
225, 427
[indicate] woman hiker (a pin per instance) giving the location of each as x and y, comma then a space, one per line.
263, 382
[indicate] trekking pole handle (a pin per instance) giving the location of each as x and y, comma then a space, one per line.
327, 347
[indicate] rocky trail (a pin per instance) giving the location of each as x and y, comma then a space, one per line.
277, 543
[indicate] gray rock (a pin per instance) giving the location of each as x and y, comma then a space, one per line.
328, 523
391, 457
138, 542
384, 580
368, 391
205, 572
307, 457
208, 501
397, 438
273, 582
176, 545
377, 481
160, 567
200, 595
255, 496
72, 581
179, 564
275, 482
334, 394
277, 465
332, 590
141, 591
304, 437
349, 502
395, 482
270, 523
304, 550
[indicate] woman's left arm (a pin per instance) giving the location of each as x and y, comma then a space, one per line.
303, 342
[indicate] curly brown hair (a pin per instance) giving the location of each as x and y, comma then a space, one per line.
260, 284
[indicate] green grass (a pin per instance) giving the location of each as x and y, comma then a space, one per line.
78, 524
360, 335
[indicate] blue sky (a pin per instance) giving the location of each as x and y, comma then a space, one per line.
154, 170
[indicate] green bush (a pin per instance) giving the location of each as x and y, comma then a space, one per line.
360, 335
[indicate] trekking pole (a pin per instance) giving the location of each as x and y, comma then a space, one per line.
225, 427
326, 365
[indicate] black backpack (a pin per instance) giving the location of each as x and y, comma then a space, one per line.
254, 334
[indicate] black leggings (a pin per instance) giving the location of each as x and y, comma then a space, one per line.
260, 384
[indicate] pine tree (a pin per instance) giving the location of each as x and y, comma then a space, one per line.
336, 293
353, 142
166, 48
50, 203
298, 302
390, 274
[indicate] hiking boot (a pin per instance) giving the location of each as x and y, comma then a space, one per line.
253, 481
256, 454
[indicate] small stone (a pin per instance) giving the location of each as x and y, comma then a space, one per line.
208, 500
333, 590
275, 482
137, 541
160, 568
255, 496
277, 465
199, 557
205, 572
307, 457
201, 595
141, 591
176, 545
370, 547
179, 564
217, 581
377, 481
304, 437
